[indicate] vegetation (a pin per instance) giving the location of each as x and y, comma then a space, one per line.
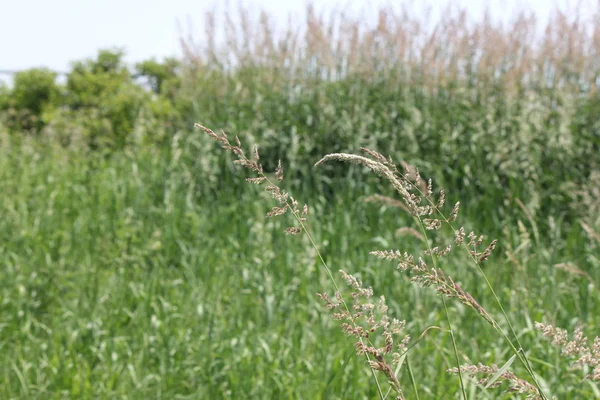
100, 105
135, 263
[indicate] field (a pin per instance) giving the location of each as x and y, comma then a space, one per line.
150, 270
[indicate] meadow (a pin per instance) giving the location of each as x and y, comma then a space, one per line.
149, 269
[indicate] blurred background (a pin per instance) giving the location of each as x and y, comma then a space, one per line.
135, 261
147, 29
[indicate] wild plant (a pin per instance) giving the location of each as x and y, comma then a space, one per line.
379, 338
361, 317
587, 356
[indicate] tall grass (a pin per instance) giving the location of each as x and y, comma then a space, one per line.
366, 319
475, 104
151, 273
136, 274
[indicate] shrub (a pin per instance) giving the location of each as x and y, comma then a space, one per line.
34, 93
164, 78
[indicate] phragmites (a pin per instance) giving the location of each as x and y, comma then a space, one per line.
578, 347
293, 230
417, 199
488, 251
375, 332
256, 181
432, 224
454, 212
236, 149
279, 171
459, 236
591, 232
416, 195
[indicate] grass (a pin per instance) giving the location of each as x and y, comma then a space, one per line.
151, 272
124, 277
365, 318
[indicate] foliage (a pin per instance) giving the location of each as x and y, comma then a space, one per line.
34, 92
492, 111
100, 105
103, 93
92, 82
132, 274
4, 96
35, 89
133, 262
163, 78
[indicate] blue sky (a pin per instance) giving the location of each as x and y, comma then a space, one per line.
53, 33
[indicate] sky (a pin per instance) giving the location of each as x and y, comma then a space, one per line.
54, 33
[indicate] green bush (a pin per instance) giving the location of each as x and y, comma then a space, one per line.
34, 92
102, 90
4, 96
163, 78
100, 106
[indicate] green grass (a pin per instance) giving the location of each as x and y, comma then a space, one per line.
134, 276
137, 264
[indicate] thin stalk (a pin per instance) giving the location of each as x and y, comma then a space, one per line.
331, 278
447, 314
412, 377
518, 352
257, 168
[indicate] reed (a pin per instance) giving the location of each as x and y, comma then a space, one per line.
471, 102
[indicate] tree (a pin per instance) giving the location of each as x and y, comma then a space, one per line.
164, 78
102, 91
35, 89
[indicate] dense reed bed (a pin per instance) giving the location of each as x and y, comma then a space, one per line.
472, 103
